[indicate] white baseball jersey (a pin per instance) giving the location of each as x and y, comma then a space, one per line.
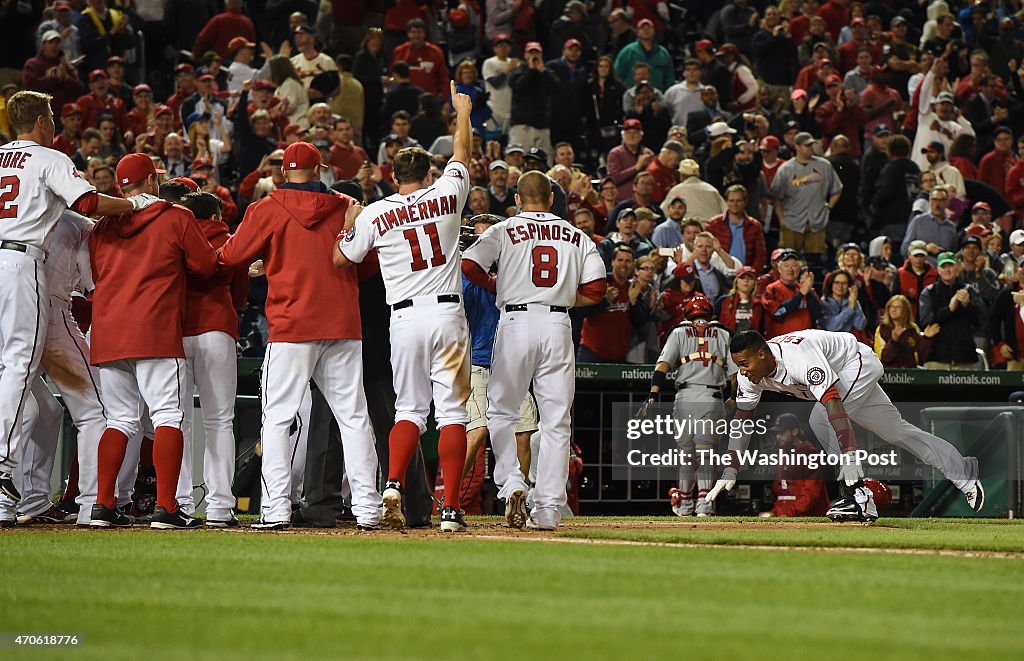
36, 185
808, 364
67, 262
542, 259
416, 237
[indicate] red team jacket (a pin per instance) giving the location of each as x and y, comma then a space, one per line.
211, 303
293, 230
775, 295
139, 264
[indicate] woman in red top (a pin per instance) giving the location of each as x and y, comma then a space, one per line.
606, 203
741, 308
898, 340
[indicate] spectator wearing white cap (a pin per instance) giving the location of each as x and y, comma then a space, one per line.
1005, 320
498, 192
703, 201
70, 37
1009, 259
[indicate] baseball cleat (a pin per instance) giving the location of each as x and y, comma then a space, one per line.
50, 516
976, 496
515, 508
531, 524
270, 525
392, 516
367, 527
176, 520
107, 517
230, 522
452, 521
848, 509
8, 523
704, 508
7, 487
683, 503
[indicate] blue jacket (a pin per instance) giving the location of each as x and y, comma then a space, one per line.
482, 315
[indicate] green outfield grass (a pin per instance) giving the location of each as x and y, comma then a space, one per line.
951, 534
222, 595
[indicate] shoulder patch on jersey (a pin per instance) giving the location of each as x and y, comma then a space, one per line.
815, 376
348, 235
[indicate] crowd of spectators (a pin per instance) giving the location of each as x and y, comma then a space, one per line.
846, 165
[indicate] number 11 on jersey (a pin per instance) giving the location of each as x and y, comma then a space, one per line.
418, 263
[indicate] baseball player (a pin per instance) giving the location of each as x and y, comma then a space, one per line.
698, 349
315, 331
842, 375
210, 332
482, 314
542, 262
139, 263
416, 234
37, 184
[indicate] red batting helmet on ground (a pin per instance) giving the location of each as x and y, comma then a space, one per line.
882, 493
699, 306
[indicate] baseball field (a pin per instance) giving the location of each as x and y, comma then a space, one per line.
601, 588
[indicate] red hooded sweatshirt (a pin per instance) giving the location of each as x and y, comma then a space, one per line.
211, 303
294, 230
139, 264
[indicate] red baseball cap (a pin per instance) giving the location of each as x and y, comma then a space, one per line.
572, 42
726, 48
201, 163
133, 168
503, 37
98, 73
162, 110
770, 142
61, 4
796, 94
115, 59
262, 84
533, 45
833, 79
857, 21
981, 205
240, 42
632, 123
70, 109
645, 21
746, 270
205, 77
185, 181
142, 88
301, 156
184, 67
684, 271
825, 62
703, 44
293, 129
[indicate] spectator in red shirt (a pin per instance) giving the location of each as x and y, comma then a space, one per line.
836, 16
800, 26
848, 51
749, 247
628, 158
841, 114
99, 101
608, 326
224, 27
741, 308
185, 82
916, 274
790, 303
427, 68
50, 72
136, 121
879, 101
67, 140
663, 169
345, 156
995, 166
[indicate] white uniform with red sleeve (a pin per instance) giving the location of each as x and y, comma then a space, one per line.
542, 260
815, 365
36, 185
417, 242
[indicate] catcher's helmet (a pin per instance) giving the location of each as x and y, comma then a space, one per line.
881, 491
699, 307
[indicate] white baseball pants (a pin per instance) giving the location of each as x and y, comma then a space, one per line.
212, 370
430, 353
337, 368
868, 405
536, 346
23, 319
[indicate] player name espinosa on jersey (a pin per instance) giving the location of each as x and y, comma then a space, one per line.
415, 212
529, 231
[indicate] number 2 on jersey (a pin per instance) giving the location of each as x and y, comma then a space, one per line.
9, 189
545, 266
418, 263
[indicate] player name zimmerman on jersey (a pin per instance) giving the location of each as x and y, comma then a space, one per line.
416, 236
541, 259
